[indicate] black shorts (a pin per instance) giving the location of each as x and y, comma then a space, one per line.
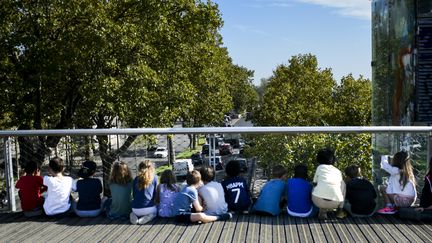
183, 218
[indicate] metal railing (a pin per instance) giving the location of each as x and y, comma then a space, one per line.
9, 143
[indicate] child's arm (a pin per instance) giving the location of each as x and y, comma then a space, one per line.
198, 208
387, 167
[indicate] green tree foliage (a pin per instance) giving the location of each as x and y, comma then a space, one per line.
84, 63
302, 94
244, 96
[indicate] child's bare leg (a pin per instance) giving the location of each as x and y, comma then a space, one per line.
386, 197
195, 217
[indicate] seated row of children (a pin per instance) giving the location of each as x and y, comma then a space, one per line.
204, 200
355, 194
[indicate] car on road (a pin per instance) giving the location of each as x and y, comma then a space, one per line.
161, 152
226, 149
197, 159
182, 166
217, 162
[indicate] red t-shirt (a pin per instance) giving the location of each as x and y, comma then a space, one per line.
30, 191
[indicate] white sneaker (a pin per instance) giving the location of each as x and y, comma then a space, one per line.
133, 218
146, 218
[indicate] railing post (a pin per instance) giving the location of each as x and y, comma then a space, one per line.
213, 139
9, 174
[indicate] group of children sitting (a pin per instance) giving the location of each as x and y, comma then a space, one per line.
204, 200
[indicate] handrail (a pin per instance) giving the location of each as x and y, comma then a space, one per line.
217, 130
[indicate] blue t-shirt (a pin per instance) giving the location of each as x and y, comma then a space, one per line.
89, 193
270, 197
299, 194
144, 198
184, 200
236, 194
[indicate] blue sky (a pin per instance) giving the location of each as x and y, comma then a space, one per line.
262, 34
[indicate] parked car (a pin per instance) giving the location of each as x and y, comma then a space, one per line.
235, 142
182, 166
226, 149
243, 164
219, 162
161, 152
197, 159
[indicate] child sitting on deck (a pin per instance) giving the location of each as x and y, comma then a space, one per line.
401, 189
144, 192
166, 193
89, 191
212, 193
360, 193
424, 211
30, 188
57, 201
236, 190
329, 192
299, 194
119, 205
188, 198
272, 194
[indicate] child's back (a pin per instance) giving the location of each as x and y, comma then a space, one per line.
30, 186
361, 194
57, 200
167, 198
236, 190
272, 193
299, 197
184, 200
212, 193
119, 205
89, 191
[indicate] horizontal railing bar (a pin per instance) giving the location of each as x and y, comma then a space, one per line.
218, 130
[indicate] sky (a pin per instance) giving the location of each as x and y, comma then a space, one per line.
262, 34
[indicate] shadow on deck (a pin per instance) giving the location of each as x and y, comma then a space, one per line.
14, 227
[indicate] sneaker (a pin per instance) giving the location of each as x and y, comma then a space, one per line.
225, 216
146, 218
133, 218
387, 210
341, 214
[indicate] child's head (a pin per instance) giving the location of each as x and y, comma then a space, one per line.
193, 178
146, 172
326, 157
402, 161
56, 165
233, 168
207, 174
352, 171
300, 171
120, 173
168, 178
31, 168
88, 168
279, 171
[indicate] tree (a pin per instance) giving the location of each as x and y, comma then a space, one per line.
83, 63
301, 94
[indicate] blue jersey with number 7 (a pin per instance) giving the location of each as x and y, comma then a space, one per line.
236, 194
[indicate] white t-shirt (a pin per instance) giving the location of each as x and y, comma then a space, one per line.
394, 186
58, 193
330, 184
214, 198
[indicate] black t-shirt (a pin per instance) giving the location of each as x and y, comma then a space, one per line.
89, 190
361, 194
426, 196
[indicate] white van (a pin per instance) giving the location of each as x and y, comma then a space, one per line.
182, 166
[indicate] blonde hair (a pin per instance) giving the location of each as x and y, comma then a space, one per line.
403, 162
120, 174
146, 172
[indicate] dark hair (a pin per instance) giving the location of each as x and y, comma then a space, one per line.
207, 173
353, 171
233, 168
193, 177
300, 171
31, 167
56, 164
326, 157
402, 161
168, 178
278, 171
